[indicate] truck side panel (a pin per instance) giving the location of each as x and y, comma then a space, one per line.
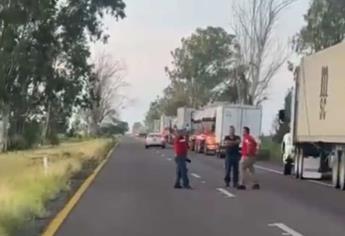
320, 113
252, 118
229, 117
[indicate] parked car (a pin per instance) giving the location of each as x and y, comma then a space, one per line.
155, 140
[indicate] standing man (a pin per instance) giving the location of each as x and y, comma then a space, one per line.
181, 151
249, 150
232, 144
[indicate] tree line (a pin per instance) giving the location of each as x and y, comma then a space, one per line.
45, 69
238, 67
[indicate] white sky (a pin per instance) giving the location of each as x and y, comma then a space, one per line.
153, 28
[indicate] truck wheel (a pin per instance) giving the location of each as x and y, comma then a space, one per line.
297, 163
200, 148
342, 171
336, 170
206, 150
301, 165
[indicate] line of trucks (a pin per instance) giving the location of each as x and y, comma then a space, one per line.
208, 126
315, 145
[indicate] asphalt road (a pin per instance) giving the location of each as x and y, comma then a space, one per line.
134, 196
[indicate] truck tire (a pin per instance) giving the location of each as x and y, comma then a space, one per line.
206, 150
336, 170
342, 172
301, 165
297, 162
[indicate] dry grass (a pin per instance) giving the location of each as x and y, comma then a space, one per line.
25, 186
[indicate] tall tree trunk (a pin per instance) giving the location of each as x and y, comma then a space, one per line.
45, 129
5, 126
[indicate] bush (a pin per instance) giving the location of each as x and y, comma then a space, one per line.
24, 186
271, 147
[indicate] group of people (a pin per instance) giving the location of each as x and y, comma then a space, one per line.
239, 162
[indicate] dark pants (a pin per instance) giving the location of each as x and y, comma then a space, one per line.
181, 171
231, 165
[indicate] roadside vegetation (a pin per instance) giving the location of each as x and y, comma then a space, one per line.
26, 186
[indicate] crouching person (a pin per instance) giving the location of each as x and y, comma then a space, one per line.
181, 159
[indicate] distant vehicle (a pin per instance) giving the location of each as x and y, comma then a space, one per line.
317, 116
212, 123
155, 140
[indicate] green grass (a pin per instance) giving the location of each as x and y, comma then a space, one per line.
271, 148
25, 187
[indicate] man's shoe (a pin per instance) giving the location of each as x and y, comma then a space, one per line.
256, 187
241, 187
177, 186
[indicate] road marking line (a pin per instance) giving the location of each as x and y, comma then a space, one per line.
226, 193
281, 173
287, 230
320, 183
196, 176
59, 219
269, 170
169, 159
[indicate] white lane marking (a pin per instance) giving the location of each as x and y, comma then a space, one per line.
287, 230
169, 159
195, 175
281, 173
269, 170
225, 192
320, 183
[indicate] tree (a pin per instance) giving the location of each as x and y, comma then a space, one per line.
114, 127
325, 27
154, 113
204, 60
137, 127
259, 57
44, 58
108, 79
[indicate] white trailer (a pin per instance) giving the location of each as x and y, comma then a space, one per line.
156, 126
214, 123
184, 117
318, 116
166, 122
238, 116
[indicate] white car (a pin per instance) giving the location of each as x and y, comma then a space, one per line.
154, 140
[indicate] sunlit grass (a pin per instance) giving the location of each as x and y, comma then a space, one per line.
25, 186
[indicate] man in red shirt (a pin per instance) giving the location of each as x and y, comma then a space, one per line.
249, 150
181, 151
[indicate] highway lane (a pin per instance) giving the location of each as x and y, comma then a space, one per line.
133, 195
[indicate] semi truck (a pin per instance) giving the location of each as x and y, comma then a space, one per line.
318, 116
212, 123
184, 118
166, 127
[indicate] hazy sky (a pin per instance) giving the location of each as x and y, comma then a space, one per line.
153, 28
